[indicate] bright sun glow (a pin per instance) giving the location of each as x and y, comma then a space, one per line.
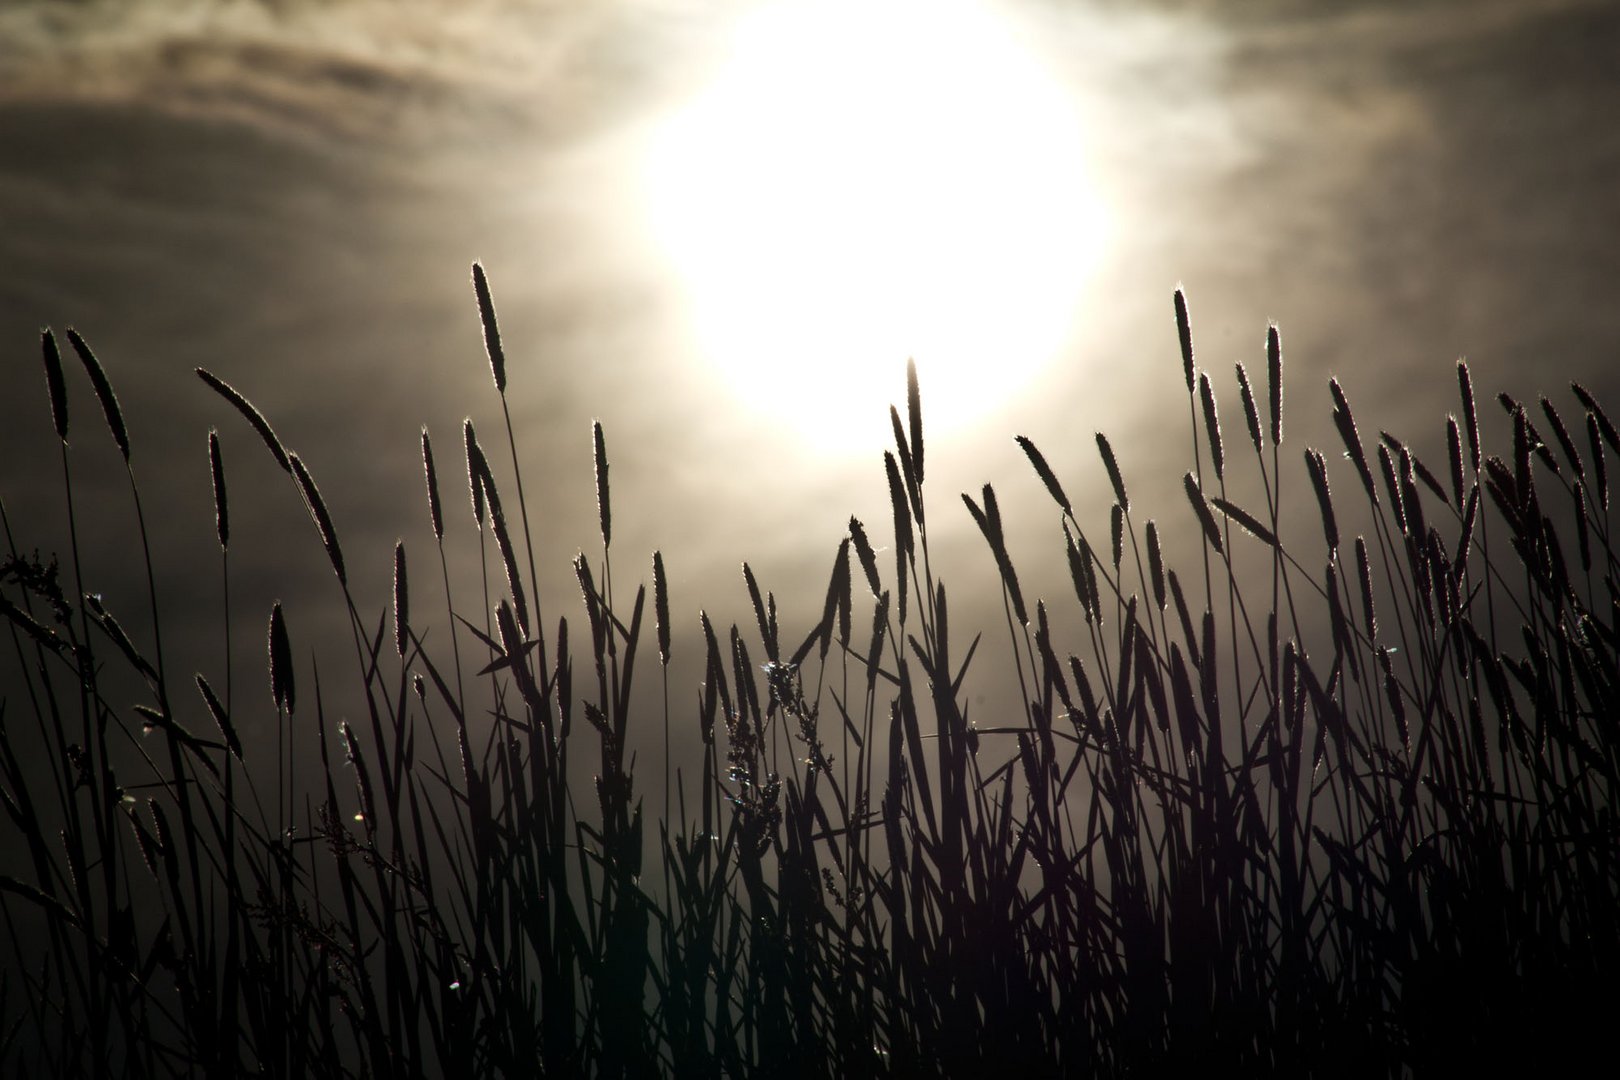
870, 180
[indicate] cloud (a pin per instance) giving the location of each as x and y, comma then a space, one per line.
354, 67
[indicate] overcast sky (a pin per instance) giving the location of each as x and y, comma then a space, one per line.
291, 194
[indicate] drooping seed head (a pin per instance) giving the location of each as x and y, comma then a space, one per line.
318, 513
1565, 443
104, 392
1114, 476
1346, 423
252, 415
864, 552
1044, 471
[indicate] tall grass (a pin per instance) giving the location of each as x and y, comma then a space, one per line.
1354, 816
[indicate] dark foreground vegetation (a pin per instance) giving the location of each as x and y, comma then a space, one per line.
1354, 815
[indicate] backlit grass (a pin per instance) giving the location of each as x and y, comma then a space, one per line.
1354, 815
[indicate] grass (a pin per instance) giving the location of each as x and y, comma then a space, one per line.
1352, 816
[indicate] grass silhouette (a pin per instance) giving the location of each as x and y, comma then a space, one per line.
1354, 819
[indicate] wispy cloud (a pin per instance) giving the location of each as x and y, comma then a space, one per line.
350, 67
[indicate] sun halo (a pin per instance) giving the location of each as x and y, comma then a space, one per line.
867, 182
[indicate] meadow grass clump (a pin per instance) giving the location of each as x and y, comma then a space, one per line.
1358, 818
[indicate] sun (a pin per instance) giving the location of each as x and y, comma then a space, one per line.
867, 181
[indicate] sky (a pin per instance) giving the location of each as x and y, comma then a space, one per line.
685, 232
